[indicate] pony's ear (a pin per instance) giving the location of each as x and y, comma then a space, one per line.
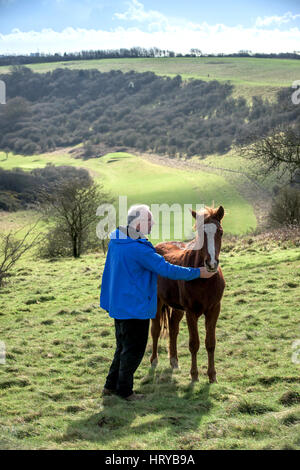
220, 213
194, 213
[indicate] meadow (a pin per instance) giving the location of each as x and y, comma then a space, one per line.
150, 183
250, 76
59, 345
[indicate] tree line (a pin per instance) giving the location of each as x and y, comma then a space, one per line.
134, 52
21, 189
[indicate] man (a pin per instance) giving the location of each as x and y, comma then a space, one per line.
129, 294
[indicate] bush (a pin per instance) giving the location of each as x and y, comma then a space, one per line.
285, 210
56, 244
88, 150
9, 201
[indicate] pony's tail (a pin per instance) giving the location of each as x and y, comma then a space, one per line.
165, 321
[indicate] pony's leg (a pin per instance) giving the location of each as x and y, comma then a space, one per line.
155, 332
194, 343
174, 320
211, 318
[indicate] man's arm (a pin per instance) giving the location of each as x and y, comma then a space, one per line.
156, 263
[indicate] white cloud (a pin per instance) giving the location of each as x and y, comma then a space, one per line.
137, 12
208, 38
277, 20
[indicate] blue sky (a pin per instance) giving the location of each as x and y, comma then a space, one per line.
215, 26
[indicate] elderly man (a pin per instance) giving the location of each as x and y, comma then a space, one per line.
129, 294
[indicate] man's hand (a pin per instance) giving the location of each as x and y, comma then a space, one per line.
204, 274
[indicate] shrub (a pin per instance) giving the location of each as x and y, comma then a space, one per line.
9, 201
56, 244
285, 209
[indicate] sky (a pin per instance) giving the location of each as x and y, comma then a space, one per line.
49, 26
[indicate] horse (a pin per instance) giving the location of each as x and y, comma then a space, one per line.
197, 297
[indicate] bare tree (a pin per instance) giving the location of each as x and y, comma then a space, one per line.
278, 152
12, 248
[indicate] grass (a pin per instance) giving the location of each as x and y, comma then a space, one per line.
59, 346
250, 76
233, 161
143, 181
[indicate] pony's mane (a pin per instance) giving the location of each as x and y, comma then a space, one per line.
208, 212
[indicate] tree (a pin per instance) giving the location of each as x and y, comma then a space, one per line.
285, 208
6, 150
15, 109
12, 248
278, 152
196, 52
88, 149
73, 207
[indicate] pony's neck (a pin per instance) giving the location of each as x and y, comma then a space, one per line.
196, 254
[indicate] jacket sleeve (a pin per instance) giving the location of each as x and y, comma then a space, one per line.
156, 263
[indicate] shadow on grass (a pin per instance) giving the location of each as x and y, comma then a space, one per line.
167, 408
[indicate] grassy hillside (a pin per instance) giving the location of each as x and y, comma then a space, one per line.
262, 77
142, 181
60, 344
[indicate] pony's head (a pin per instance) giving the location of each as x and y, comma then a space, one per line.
208, 222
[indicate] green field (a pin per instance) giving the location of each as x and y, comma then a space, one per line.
144, 182
59, 345
250, 76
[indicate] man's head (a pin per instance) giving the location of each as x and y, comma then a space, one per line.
140, 218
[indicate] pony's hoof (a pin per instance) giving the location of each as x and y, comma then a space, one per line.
213, 380
174, 363
195, 379
154, 363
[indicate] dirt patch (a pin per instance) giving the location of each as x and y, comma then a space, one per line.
290, 398
97, 151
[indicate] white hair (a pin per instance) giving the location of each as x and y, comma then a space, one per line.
138, 214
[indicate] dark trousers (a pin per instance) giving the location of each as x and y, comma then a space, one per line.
131, 339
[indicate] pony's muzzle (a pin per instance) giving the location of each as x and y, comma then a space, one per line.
212, 267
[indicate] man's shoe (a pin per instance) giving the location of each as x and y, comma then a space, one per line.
134, 397
107, 392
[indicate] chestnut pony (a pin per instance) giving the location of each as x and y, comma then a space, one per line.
197, 297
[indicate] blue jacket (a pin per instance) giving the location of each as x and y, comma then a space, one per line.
129, 281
